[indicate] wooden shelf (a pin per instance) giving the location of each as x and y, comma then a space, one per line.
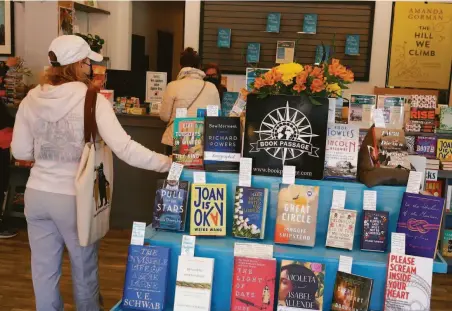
445, 174
89, 9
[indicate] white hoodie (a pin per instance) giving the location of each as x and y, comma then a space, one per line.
49, 130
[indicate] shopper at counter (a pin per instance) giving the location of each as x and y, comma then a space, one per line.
49, 129
188, 91
213, 74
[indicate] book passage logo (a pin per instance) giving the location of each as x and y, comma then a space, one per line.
285, 134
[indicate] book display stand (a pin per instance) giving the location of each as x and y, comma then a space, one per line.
368, 264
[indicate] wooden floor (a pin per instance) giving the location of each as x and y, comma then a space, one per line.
16, 292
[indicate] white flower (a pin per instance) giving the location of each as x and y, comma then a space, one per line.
237, 210
245, 225
241, 212
240, 228
235, 216
241, 189
238, 222
237, 197
241, 217
253, 226
247, 219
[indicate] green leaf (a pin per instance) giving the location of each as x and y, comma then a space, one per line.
314, 101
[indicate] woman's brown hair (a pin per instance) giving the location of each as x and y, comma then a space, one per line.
190, 58
57, 75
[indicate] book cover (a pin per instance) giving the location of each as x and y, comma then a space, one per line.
222, 144
360, 111
310, 23
408, 283
420, 219
448, 196
352, 45
426, 146
445, 119
194, 283
229, 99
447, 243
208, 209
390, 149
170, 205
273, 22
341, 228
253, 285
422, 114
250, 209
444, 150
188, 142
301, 286
435, 187
393, 107
375, 231
253, 52
224, 38
351, 292
146, 278
341, 151
296, 215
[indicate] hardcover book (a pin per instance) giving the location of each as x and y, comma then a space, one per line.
351, 292
250, 209
170, 207
390, 149
188, 142
361, 110
253, 286
444, 150
426, 146
228, 101
341, 151
445, 119
375, 231
420, 219
296, 217
408, 283
222, 144
422, 114
301, 286
193, 284
435, 187
447, 243
146, 278
393, 107
208, 209
341, 228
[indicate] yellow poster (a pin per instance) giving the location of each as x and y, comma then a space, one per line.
421, 50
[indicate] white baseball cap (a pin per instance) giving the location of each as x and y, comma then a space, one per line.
70, 49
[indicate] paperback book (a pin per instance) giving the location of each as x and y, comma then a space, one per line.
422, 114
434, 187
188, 142
361, 110
170, 207
253, 285
444, 150
408, 283
208, 209
146, 278
375, 231
445, 119
447, 243
193, 284
351, 292
420, 219
341, 151
390, 149
222, 144
301, 286
411, 144
341, 228
229, 99
426, 146
296, 217
250, 210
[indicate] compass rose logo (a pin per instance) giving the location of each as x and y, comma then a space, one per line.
285, 133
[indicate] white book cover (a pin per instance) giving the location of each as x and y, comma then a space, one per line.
408, 283
193, 284
341, 228
341, 151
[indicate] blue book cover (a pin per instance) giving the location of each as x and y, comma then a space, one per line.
273, 22
170, 205
352, 45
146, 278
224, 38
222, 144
253, 53
229, 99
250, 209
320, 56
310, 23
375, 231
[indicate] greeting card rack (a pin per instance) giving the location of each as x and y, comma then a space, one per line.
367, 264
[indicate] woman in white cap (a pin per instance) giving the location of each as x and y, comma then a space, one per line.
49, 130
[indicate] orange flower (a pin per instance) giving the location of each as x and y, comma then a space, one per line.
302, 77
258, 83
317, 86
317, 73
336, 68
299, 87
349, 76
308, 68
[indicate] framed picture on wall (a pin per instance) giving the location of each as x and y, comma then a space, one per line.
6, 28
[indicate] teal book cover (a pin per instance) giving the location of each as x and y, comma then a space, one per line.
224, 38
310, 23
229, 99
273, 22
352, 45
253, 53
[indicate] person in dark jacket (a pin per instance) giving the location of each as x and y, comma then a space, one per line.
213, 75
6, 125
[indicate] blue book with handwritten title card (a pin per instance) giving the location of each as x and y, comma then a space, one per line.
310, 23
224, 38
253, 53
352, 45
273, 22
146, 278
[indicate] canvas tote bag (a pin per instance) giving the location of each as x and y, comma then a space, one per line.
94, 180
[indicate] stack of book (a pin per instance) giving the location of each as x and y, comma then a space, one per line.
433, 164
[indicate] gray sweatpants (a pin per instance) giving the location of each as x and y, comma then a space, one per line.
52, 223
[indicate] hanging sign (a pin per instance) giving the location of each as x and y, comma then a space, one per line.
155, 86
421, 45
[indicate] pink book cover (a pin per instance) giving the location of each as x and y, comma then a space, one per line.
253, 286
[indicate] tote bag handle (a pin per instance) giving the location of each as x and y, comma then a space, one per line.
90, 125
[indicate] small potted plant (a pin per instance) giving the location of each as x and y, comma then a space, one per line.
95, 42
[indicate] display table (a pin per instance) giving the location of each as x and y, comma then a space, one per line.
368, 264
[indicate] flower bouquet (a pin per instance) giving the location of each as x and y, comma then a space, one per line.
324, 80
